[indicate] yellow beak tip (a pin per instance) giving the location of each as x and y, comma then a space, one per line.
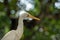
38, 19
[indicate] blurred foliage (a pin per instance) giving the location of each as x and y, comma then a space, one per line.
45, 30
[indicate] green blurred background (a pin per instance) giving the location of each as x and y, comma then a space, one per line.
48, 28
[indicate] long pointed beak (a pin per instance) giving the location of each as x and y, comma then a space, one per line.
30, 16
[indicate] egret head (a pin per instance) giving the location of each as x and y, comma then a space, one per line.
24, 14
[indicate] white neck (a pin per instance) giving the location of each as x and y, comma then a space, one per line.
19, 29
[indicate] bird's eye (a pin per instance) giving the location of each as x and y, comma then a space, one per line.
27, 15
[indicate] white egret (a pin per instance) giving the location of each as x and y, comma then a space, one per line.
17, 34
